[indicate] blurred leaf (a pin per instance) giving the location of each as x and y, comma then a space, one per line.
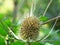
2, 30
1, 16
15, 28
45, 30
54, 38
37, 43
2, 41
48, 44
8, 22
43, 18
18, 43
57, 42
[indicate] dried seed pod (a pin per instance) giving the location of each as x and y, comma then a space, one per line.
30, 28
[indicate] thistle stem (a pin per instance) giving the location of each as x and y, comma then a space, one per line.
50, 20
47, 7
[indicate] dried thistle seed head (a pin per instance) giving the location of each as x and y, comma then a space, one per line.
30, 28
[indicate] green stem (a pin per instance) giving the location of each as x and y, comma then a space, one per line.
15, 11
28, 42
50, 20
47, 7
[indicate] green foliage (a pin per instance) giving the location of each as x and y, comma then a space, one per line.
1, 16
36, 43
2, 30
43, 18
48, 44
53, 10
18, 43
57, 42
2, 41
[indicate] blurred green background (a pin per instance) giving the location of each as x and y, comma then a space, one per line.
12, 16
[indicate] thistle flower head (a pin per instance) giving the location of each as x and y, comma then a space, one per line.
30, 28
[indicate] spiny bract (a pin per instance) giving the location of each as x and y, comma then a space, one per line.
30, 28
